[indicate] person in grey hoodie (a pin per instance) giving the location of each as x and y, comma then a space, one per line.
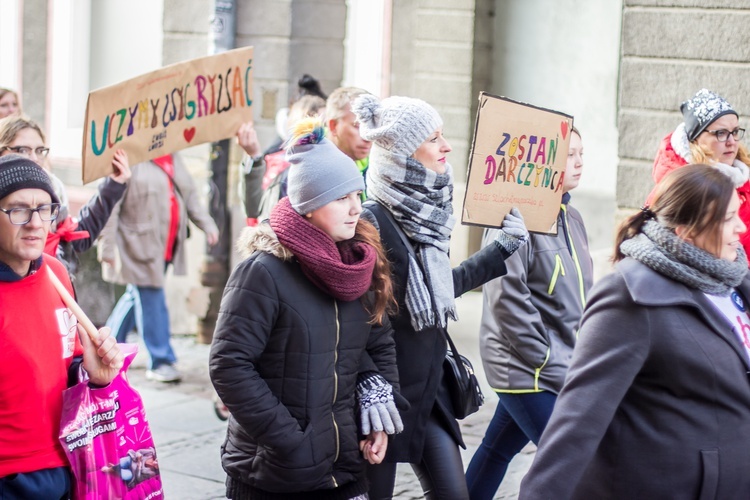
529, 326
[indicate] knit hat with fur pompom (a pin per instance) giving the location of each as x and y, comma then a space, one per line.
397, 124
319, 173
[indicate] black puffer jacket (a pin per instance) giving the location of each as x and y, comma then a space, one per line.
420, 355
285, 359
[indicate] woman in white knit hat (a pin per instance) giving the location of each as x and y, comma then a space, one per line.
303, 327
412, 182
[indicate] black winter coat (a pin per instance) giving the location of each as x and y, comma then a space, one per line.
420, 355
285, 359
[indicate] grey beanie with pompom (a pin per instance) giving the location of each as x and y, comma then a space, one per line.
397, 124
319, 173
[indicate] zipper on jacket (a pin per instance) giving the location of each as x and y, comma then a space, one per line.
538, 371
559, 269
336, 388
581, 288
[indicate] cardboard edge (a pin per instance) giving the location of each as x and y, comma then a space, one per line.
508, 99
84, 142
482, 95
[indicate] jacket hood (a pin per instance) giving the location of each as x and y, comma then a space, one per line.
674, 152
261, 238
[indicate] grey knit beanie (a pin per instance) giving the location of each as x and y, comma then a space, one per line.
19, 172
397, 124
702, 110
319, 173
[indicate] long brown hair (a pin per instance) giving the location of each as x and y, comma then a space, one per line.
694, 196
382, 287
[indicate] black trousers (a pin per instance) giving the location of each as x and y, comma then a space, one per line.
440, 472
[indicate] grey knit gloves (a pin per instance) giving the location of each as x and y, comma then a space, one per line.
513, 233
377, 410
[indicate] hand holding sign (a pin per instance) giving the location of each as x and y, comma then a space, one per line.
513, 233
517, 159
121, 167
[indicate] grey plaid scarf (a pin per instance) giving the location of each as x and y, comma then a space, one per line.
663, 251
420, 201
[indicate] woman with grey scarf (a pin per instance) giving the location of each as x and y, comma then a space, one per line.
656, 403
410, 184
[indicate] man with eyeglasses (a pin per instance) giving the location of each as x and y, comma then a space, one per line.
710, 133
69, 234
42, 349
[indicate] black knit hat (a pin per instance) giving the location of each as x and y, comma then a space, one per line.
18, 172
702, 110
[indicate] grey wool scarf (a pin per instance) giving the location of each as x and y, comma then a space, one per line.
663, 251
420, 201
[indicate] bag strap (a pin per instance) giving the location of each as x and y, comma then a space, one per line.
171, 176
379, 208
370, 204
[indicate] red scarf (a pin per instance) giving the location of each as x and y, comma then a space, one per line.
167, 165
342, 270
66, 230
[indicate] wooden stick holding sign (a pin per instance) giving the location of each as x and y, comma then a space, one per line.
518, 157
71, 303
188, 103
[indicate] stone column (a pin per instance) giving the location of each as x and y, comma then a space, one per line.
440, 53
34, 60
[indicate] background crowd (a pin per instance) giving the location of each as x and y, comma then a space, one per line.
329, 351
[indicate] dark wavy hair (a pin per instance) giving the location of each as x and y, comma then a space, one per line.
308, 85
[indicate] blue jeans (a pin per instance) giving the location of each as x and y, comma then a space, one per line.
145, 308
518, 419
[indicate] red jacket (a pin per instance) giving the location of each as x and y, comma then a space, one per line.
667, 160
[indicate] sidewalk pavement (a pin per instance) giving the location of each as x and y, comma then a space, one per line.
188, 435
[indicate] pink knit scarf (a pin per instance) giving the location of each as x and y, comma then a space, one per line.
342, 270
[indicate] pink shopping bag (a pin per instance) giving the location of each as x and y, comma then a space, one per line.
108, 442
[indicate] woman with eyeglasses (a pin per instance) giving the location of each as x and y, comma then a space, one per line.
68, 236
710, 133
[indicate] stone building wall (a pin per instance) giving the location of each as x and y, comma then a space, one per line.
670, 50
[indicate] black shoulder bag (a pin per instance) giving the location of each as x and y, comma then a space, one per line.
463, 386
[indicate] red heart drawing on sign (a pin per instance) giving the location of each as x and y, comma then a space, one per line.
189, 133
564, 128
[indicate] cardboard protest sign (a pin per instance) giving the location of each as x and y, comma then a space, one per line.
517, 159
178, 106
